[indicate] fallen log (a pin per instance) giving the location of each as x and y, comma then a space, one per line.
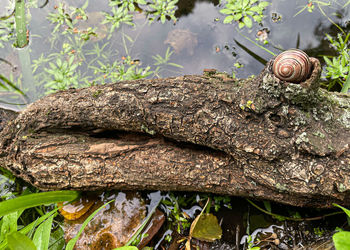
261, 138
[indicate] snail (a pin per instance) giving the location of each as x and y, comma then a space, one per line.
292, 65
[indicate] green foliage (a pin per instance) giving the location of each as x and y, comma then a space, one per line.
118, 71
7, 28
162, 9
18, 241
8, 85
207, 228
244, 12
127, 4
337, 67
37, 234
174, 204
119, 15
250, 242
62, 70
41, 236
67, 17
63, 75
341, 240
163, 62
32, 200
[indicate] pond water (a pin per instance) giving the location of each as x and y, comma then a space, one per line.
196, 40
90, 51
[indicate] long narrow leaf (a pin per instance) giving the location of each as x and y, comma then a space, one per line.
33, 200
41, 237
346, 85
9, 83
37, 222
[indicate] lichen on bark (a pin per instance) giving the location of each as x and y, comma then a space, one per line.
258, 137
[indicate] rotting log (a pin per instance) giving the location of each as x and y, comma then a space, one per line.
261, 138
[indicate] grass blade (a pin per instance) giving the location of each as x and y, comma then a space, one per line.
9, 83
41, 237
37, 199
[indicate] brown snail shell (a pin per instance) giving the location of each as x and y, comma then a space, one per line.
292, 65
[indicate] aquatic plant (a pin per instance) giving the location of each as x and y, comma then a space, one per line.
341, 238
163, 62
35, 235
337, 68
63, 75
7, 27
21, 25
162, 9
127, 4
119, 15
243, 11
310, 6
67, 17
173, 205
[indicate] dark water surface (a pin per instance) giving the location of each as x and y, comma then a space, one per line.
198, 39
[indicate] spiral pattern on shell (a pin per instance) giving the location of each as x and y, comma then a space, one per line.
292, 65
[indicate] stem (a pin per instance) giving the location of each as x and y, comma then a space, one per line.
20, 18
346, 85
291, 218
28, 79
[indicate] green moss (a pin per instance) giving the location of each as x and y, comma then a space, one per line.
147, 130
319, 134
248, 105
96, 93
281, 187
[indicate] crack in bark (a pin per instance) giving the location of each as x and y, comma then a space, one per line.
257, 137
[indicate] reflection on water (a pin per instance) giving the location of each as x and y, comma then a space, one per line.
198, 40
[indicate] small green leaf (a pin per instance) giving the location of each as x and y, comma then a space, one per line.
8, 225
162, 18
247, 21
228, 19
226, 11
347, 211
264, 4
255, 8
207, 228
341, 240
238, 16
18, 241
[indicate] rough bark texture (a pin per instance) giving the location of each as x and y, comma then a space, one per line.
257, 137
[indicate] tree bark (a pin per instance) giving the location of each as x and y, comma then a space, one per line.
260, 138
